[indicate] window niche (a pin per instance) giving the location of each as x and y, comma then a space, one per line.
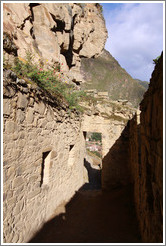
71, 158
46, 159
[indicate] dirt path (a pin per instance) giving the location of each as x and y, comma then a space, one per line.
93, 216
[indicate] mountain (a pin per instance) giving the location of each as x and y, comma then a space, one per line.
104, 73
145, 84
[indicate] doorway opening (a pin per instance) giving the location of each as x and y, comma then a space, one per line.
93, 159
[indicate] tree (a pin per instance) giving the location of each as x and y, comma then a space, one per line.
96, 136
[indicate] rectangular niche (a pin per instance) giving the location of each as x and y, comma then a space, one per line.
46, 158
72, 157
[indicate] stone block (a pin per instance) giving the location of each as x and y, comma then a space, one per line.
53, 154
22, 101
6, 107
49, 125
30, 116
20, 116
34, 193
50, 115
39, 107
18, 207
31, 102
11, 171
17, 182
15, 238
33, 178
12, 201
42, 123
15, 136
11, 127
22, 135
8, 91
19, 191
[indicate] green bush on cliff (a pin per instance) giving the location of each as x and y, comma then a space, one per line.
155, 61
48, 80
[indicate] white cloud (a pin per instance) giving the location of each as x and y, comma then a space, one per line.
135, 36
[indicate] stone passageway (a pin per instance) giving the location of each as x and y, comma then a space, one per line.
94, 216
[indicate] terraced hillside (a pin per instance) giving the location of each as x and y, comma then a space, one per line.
105, 74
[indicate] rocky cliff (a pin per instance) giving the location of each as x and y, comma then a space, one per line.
58, 33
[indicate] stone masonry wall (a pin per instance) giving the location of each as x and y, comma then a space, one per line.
146, 159
36, 129
110, 119
115, 172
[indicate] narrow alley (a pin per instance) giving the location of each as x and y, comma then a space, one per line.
94, 216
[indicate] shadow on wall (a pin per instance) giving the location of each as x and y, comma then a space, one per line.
94, 216
116, 169
94, 177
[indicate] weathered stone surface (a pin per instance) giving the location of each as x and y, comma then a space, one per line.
22, 101
6, 107
34, 193
18, 207
54, 26
146, 161
24, 148
30, 115
20, 116
39, 107
11, 127
17, 182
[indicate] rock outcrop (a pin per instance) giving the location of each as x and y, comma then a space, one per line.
56, 33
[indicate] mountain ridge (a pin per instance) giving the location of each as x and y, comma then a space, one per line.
104, 73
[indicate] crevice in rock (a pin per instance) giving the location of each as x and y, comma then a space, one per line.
69, 53
60, 24
8, 44
32, 33
31, 5
78, 50
24, 21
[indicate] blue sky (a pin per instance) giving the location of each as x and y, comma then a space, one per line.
135, 33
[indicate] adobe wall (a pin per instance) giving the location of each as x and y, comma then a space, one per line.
33, 125
146, 159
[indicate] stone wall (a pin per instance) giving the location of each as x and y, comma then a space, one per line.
116, 172
110, 119
43, 157
146, 159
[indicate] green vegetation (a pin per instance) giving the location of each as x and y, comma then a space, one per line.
95, 137
94, 153
48, 80
105, 74
155, 61
100, 7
